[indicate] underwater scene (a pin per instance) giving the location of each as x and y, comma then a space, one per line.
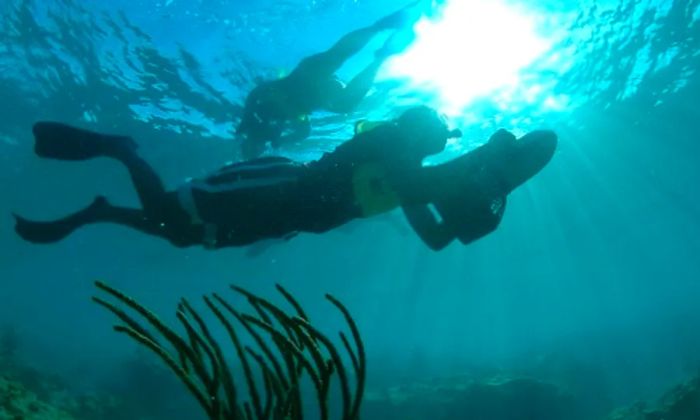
344, 209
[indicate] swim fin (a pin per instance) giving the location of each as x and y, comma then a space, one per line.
61, 141
401, 18
54, 231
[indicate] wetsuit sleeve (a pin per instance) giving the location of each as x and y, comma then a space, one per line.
434, 233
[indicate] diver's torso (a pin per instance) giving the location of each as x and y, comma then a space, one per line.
292, 97
354, 176
274, 197
267, 198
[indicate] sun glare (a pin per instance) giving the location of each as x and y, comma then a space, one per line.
474, 47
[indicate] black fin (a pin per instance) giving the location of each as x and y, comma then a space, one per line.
54, 231
41, 232
60, 141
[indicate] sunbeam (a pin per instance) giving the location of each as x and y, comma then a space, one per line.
470, 49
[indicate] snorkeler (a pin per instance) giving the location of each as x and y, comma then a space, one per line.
376, 171
278, 111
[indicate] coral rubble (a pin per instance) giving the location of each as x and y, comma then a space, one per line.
17, 402
680, 403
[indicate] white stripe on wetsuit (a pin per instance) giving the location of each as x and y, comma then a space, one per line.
242, 184
252, 166
247, 171
184, 195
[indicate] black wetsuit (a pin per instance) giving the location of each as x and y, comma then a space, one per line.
242, 203
276, 197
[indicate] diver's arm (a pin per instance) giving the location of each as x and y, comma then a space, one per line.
476, 220
435, 234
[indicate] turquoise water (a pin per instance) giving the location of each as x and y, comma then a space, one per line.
591, 280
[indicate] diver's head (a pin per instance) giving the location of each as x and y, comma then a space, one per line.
516, 161
425, 130
262, 94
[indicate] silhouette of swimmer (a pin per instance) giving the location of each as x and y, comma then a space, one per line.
378, 170
278, 111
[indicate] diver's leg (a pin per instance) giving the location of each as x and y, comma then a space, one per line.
64, 142
328, 62
173, 226
325, 64
147, 183
101, 211
347, 99
54, 231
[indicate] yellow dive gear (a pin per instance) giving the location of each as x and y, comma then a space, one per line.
372, 191
363, 126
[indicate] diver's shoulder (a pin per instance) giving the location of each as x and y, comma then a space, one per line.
383, 130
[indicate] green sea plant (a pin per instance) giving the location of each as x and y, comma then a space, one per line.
288, 350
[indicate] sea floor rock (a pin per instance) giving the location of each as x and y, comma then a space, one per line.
499, 398
17, 402
680, 403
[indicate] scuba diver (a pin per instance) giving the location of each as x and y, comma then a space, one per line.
376, 171
278, 111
